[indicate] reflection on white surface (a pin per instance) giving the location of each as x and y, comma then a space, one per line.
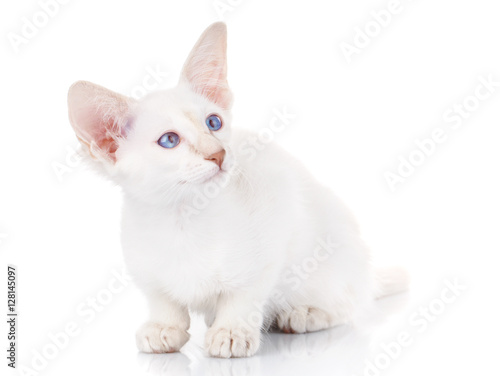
337, 351
165, 364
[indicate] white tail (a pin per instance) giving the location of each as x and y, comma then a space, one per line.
390, 281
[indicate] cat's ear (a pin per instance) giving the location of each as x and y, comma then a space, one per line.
205, 70
100, 117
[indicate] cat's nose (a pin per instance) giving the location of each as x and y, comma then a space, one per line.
217, 158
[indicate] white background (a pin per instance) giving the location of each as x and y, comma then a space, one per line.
353, 121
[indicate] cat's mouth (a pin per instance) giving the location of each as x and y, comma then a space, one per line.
214, 176
207, 177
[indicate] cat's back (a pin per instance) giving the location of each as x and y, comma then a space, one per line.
291, 185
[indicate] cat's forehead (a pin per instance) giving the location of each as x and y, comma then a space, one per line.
170, 102
173, 108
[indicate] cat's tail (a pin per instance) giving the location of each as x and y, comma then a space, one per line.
390, 280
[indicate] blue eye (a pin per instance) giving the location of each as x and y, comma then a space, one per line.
214, 123
169, 140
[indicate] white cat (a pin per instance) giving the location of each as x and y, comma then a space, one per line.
271, 245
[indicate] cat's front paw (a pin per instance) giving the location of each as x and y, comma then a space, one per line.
158, 338
232, 343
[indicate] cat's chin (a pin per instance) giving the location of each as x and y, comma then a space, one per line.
216, 177
217, 180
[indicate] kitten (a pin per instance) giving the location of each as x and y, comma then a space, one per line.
270, 246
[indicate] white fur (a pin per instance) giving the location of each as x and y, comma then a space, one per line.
269, 244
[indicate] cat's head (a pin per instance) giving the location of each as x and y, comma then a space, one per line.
168, 141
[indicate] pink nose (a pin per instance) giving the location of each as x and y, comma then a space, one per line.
217, 158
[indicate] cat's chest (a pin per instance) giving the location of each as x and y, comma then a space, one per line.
205, 256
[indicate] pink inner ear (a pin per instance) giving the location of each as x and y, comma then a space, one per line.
107, 140
211, 84
225, 98
99, 117
206, 67
219, 95
102, 131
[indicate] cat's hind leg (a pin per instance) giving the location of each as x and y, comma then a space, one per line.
302, 319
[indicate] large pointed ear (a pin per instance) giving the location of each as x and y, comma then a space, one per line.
100, 117
205, 70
